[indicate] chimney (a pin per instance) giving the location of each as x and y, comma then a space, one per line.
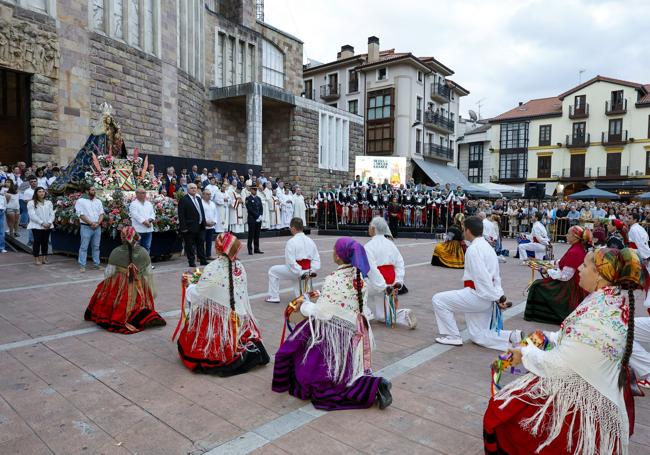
521, 103
347, 51
373, 49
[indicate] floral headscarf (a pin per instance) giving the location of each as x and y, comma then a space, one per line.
128, 234
227, 243
583, 234
621, 267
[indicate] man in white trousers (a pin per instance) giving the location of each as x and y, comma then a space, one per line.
638, 239
538, 240
640, 358
482, 290
386, 269
300, 257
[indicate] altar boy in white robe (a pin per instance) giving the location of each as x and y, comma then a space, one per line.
482, 290
300, 257
386, 269
538, 240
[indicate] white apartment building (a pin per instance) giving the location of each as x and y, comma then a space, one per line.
409, 104
595, 134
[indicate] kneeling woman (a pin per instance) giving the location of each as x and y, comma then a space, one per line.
576, 397
327, 357
220, 335
451, 252
554, 297
123, 302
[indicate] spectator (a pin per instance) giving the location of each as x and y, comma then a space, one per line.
182, 184
151, 170
3, 208
41, 217
204, 175
142, 218
217, 174
262, 179
55, 173
169, 176
41, 179
90, 211
573, 216
211, 219
26, 193
171, 187
250, 175
13, 207
194, 173
16, 177
191, 219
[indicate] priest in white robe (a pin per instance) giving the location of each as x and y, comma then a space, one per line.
275, 214
299, 206
236, 209
266, 196
287, 208
220, 198
300, 257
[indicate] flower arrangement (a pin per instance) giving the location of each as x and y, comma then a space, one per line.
166, 210
107, 180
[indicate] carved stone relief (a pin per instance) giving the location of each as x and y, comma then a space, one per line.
25, 47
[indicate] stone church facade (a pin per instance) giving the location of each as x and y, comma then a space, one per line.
188, 78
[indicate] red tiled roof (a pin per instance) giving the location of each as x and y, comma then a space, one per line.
540, 107
646, 98
635, 85
363, 58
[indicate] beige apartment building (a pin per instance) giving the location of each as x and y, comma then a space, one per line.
594, 134
410, 106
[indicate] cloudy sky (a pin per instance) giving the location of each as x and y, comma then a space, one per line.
502, 51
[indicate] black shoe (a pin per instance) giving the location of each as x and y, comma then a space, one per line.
259, 252
204, 262
192, 266
250, 253
404, 290
384, 398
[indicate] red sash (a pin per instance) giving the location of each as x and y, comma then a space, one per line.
469, 284
388, 272
632, 245
305, 264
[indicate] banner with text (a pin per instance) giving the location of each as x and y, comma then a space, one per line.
392, 169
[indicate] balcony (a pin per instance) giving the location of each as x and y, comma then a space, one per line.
353, 86
438, 122
440, 92
579, 112
575, 173
310, 94
577, 141
614, 139
613, 172
616, 108
438, 152
330, 92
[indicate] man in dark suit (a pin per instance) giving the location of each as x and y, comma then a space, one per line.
254, 207
191, 219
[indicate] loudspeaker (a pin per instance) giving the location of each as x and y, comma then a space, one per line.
534, 190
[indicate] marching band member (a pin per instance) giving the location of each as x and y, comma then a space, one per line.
386, 269
539, 240
300, 257
477, 299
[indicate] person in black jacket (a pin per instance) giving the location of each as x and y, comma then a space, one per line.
191, 219
254, 207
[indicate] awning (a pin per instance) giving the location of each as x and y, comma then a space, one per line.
504, 190
443, 174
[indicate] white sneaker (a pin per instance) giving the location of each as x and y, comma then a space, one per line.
4, 251
501, 259
450, 340
411, 320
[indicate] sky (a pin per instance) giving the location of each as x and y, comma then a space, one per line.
502, 51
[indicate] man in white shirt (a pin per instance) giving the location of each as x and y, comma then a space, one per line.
638, 239
476, 300
489, 232
211, 220
386, 269
90, 211
300, 257
142, 218
539, 240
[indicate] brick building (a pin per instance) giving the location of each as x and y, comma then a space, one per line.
189, 78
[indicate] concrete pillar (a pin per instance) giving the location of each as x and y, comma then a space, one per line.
254, 126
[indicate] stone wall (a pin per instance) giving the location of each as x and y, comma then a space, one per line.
276, 159
225, 135
191, 118
131, 81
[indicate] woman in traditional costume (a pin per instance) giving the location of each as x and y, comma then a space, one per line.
220, 334
617, 234
451, 252
326, 359
576, 397
123, 302
558, 293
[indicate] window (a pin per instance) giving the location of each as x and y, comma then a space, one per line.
514, 135
418, 109
118, 13
381, 74
309, 89
579, 132
577, 165
336, 105
333, 142
648, 126
617, 99
419, 76
380, 138
272, 64
98, 13
150, 27
219, 67
40, 6
380, 104
580, 103
418, 141
544, 135
647, 162
241, 60
615, 130
475, 168
250, 63
353, 106
353, 81
544, 167
231, 61
133, 20
613, 164
513, 165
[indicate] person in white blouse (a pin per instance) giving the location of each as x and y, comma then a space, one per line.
638, 239
41, 219
386, 269
211, 220
482, 280
142, 218
539, 240
300, 257
90, 211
